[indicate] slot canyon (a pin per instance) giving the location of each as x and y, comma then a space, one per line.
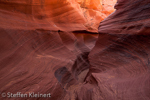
74, 50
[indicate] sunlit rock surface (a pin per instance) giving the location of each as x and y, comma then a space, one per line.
65, 15
52, 46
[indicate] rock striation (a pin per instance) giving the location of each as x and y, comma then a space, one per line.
52, 46
130, 17
119, 61
65, 15
44, 45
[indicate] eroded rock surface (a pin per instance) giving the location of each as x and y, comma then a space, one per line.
52, 46
121, 67
131, 17
120, 59
65, 15
30, 61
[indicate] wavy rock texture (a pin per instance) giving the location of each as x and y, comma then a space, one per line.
50, 47
29, 60
120, 65
65, 15
44, 45
131, 17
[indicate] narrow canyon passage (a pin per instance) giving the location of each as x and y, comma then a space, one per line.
75, 50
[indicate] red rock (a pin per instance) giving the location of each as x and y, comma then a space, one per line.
120, 59
47, 47
131, 16
65, 15
120, 67
29, 60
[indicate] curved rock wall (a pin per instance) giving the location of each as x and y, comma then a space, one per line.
131, 17
65, 15
53, 47
120, 59
42, 61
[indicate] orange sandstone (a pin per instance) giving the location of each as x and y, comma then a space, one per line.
65, 15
